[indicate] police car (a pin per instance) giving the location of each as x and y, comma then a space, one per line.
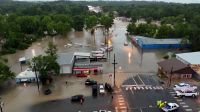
170, 107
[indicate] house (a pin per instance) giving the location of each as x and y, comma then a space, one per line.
65, 61
193, 60
175, 68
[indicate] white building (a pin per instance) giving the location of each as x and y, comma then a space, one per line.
193, 60
26, 76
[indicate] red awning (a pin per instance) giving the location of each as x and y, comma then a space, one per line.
83, 69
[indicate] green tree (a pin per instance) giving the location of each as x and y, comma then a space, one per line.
5, 73
91, 21
131, 28
51, 50
106, 21
78, 22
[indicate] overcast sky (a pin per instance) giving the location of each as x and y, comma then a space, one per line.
176, 1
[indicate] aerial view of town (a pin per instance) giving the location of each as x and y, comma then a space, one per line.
99, 56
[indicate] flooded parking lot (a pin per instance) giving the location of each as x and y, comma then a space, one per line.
130, 60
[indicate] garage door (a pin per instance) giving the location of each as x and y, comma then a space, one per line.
66, 69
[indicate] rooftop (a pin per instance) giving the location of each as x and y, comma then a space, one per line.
147, 40
172, 65
65, 58
191, 57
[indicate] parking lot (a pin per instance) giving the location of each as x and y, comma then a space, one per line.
143, 91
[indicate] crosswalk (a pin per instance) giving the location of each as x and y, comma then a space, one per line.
121, 105
144, 88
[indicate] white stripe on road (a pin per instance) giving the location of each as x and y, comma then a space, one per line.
174, 94
141, 80
138, 88
120, 95
154, 87
121, 103
176, 97
182, 103
188, 110
116, 109
132, 91
185, 106
150, 87
120, 98
146, 88
134, 81
142, 88
123, 111
179, 100
171, 92
123, 107
135, 88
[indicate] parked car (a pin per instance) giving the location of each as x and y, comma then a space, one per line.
104, 111
108, 87
170, 107
187, 93
97, 52
125, 44
47, 92
101, 89
94, 90
80, 75
90, 82
77, 98
98, 55
183, 86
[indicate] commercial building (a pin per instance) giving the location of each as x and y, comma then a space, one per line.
193, 60
26, 76
175, 68
151, 43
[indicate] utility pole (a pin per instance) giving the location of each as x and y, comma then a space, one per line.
114, 64
38, 86
170, 78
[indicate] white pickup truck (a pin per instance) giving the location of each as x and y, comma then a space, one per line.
170, 107
183, 86
186, 93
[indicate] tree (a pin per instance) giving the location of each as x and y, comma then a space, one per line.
78, 23
165, 31
106, 21
47, 65
91, 21
131, 28
51, 50
5, 73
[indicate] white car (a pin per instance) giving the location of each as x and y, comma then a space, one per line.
186, 93
183, 86
170, 107
98, 55
101, 89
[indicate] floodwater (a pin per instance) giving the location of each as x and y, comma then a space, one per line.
130, 61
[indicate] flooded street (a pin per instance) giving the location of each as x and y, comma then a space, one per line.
129, 58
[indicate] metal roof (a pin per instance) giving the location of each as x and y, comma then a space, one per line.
26, 74
85, 54
190, 58
147, 40
65, 58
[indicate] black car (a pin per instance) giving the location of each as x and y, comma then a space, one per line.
77, 98
90, 82
108, 87
47, 92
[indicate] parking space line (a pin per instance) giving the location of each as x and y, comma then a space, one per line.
141, 80
179, 100
120, 101
134, 80
185, 106
182, 103
188, 110
123, 107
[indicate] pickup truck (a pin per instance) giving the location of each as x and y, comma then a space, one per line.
186, 93
184, 86
170, 107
